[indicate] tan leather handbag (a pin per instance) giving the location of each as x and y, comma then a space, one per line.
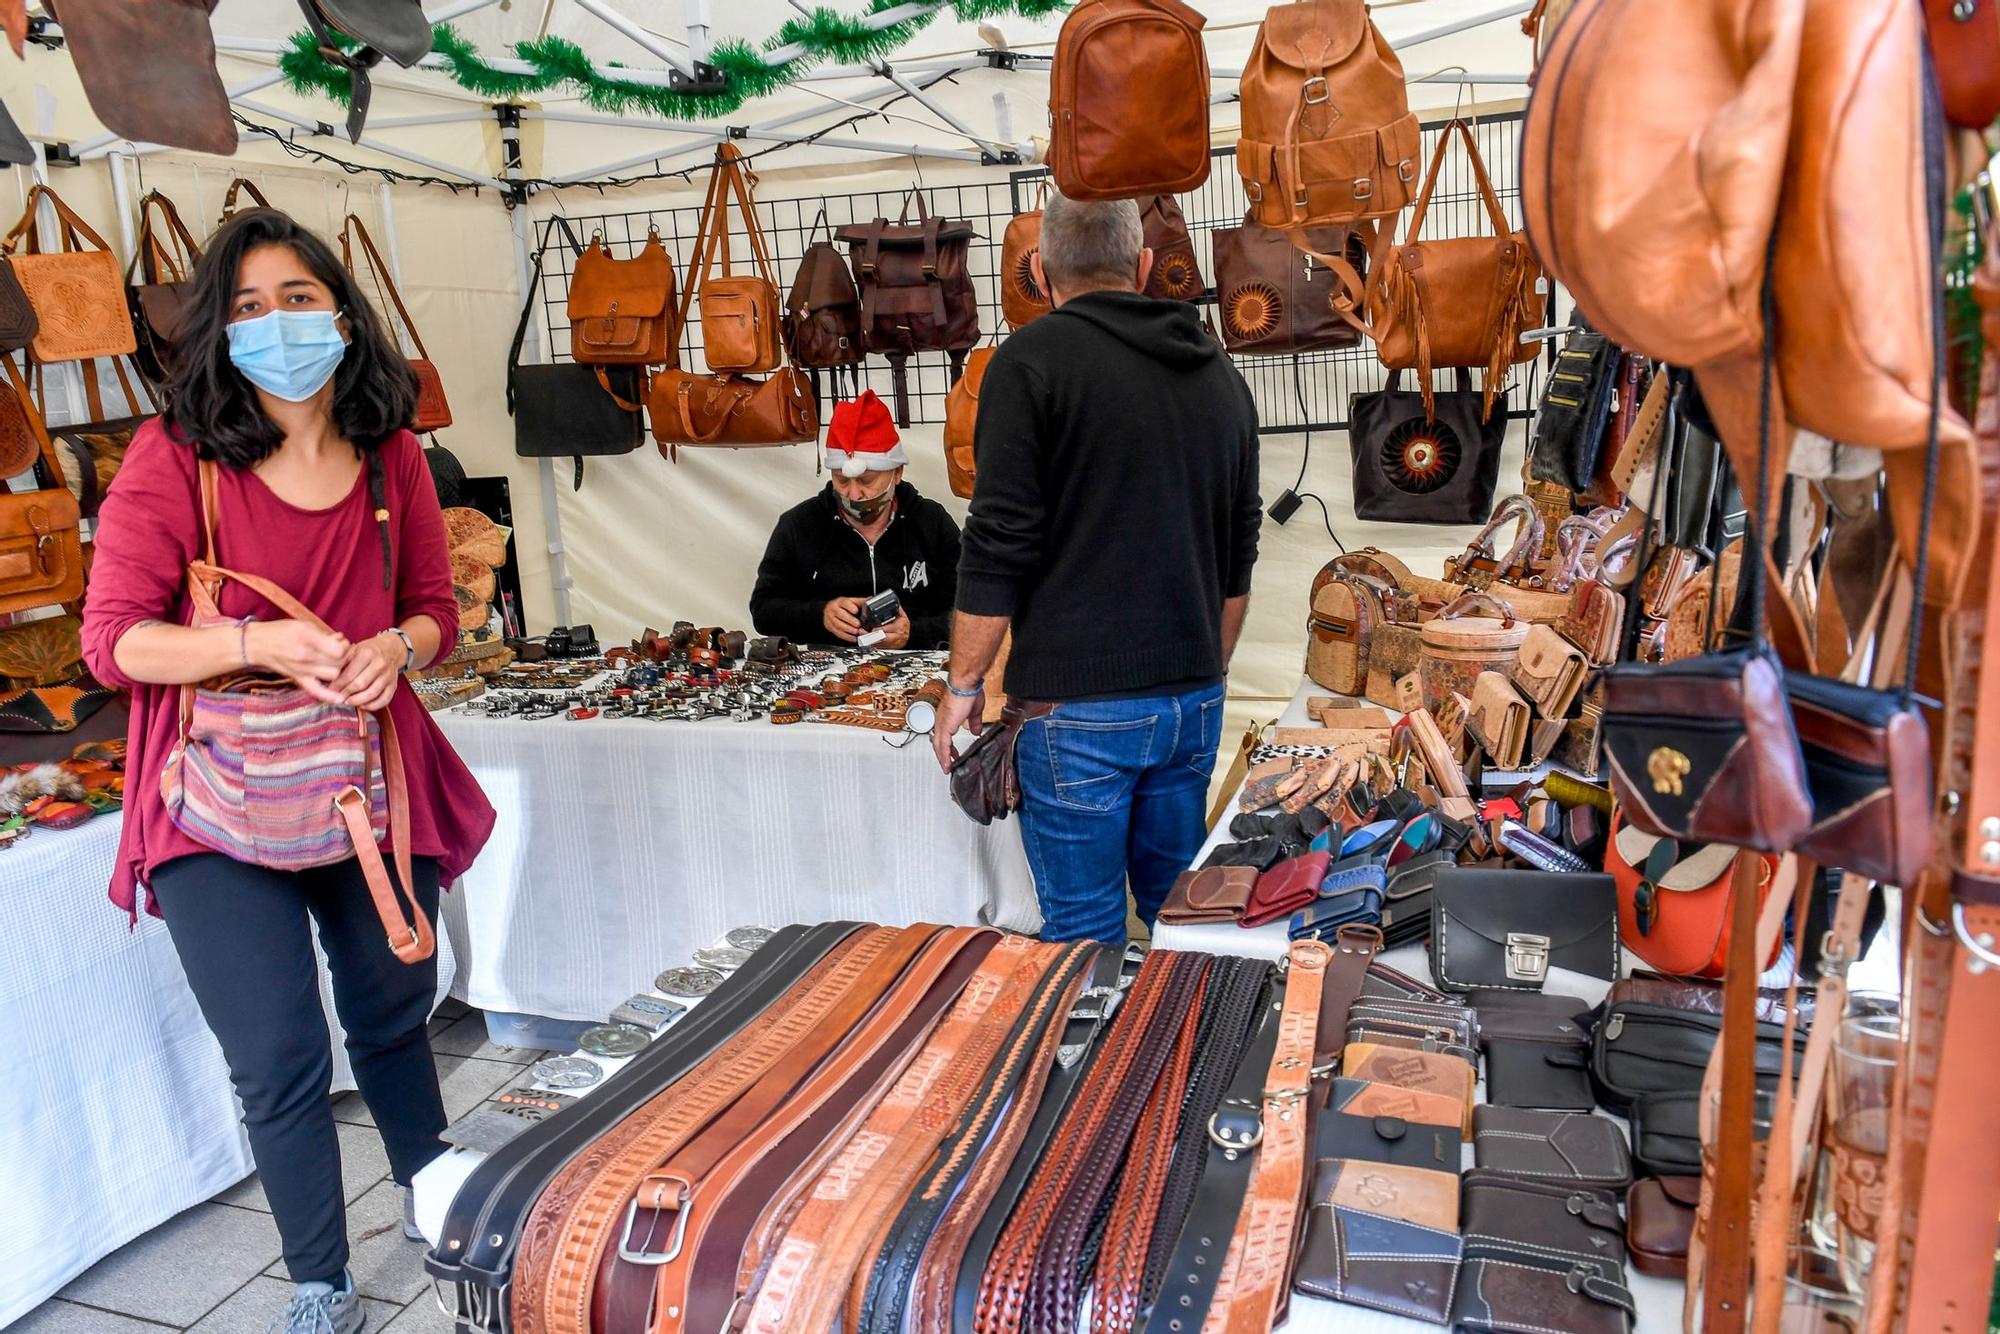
730, 411
433, 411
76, 289
41, 547
961, 417
621, 311
1651, 163
1114, 133
742, 324
1460, 302
1022, 300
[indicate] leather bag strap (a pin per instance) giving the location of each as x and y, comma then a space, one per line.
149, 256
385, 279
71, 231
245, 186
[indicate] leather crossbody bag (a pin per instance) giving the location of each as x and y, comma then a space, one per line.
742, 329
433, 411
163, 260
1674, 899
75, 288
41, 548
1575, 412
565, 408
1505, 929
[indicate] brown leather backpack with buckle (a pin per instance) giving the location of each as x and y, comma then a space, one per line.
823, 314
916, 290
1128, 100
621, 311
742, 332
1022, 299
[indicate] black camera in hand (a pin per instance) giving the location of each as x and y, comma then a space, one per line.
875, 613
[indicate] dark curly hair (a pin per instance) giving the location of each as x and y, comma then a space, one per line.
211, 405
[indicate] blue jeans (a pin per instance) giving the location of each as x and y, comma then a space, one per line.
1113, 790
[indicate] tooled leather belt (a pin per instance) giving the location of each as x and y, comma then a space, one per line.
947, 1292
1234, 1130
812, 1271
556, 1267
475, 1251
885, 1307
1260, 1251
675, 1207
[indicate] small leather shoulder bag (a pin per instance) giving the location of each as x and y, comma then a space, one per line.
433, 412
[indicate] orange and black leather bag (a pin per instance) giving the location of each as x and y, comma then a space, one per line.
433, 411
1674, 899
916, 290
1116, 134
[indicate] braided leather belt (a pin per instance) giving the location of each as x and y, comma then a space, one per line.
855, 1199
1260, 1252
674, 1207
475, 1252
580, 1213
902, 1257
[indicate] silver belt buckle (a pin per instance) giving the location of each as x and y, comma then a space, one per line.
1527, 957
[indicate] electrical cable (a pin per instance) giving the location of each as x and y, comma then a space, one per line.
1305, 456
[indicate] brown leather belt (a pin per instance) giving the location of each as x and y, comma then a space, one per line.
1354, 948
580, 1213
1260, 1253
676, 1205
812, 1270
904, 1262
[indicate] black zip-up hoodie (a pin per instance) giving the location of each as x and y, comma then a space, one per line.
815, 556
1116, 504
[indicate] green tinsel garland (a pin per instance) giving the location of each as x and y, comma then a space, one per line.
827, 36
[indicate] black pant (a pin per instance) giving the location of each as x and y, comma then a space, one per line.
243, 941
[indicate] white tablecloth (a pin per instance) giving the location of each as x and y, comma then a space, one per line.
624, 844
1659, 1300
119, 1112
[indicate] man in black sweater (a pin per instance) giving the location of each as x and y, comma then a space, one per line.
865, 532
1114, 525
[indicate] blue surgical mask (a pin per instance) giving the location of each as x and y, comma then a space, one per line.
289, 354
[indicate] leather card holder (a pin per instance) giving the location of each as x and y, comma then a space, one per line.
1388, 1139
1382, 1264
1568, 1147
1412, 1194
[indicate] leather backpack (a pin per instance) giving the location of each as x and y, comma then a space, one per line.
1022, 299
916, 290
742, 329
1176, 274
621, 311
163, 260
433, 411
961, 419
75, 288
1460, 302
1328, 136
564, 409
1128, 100
1272, 297
1965, 44
823, 314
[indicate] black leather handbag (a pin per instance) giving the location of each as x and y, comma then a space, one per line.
1575, 412
1505, 929
567, 408
1413, 469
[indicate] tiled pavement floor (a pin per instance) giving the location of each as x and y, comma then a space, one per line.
215, 1269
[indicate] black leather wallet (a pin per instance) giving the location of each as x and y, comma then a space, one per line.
1537, 1050
1666, 1134
1541, 1255
1406, 902
1505, 929
1387, 1139
1564, 1147
1501, 1211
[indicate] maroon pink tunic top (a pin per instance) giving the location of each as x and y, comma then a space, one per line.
330, 560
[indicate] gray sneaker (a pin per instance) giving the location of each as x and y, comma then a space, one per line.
410, 1228
320, 1308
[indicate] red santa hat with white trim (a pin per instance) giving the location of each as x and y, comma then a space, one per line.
862, 437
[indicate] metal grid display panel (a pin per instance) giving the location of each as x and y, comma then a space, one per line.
1307, 392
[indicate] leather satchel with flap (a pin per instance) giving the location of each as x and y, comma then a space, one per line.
1505, 929
41, 551
1674, 899
621, 311
76, 289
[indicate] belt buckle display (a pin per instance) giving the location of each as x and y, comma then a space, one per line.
1094, 1007
1527, 957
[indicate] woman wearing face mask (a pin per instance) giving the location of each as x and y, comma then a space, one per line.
866, 532
285, 378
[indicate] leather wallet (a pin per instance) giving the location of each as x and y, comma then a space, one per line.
1568, 1147
1213, 894
1460, 1022
1413, 1194
1409, 1035
1666, 1133
1327, 914
1382, 980
1363, 1097
1384, 1264
1537, 1050
1528, 1291
1659, 1222
1259, 854
1502, 715
1285, 888
1406, 899
1549, 671
1388, 1139
1505, 929
1423, 1071
1502, 1212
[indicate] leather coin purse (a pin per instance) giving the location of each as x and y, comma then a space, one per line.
1214, 894
1505, 929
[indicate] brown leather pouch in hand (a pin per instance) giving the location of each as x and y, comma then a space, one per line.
984, 783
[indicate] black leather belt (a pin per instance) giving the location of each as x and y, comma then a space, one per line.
1088, 1021
1230, 1013
887, 1296
1235, 1128
475, 1252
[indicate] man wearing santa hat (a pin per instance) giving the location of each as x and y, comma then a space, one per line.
867, 531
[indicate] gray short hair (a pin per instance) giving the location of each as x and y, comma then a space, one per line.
1087, 246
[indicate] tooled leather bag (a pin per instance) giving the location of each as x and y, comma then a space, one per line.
1022, 300
433, 411
1271, 298
621, 311
984, 783
1114, 136
916, 290
730, 411
76, 289
1461, 301
742, 332
163, 260
1176, 274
